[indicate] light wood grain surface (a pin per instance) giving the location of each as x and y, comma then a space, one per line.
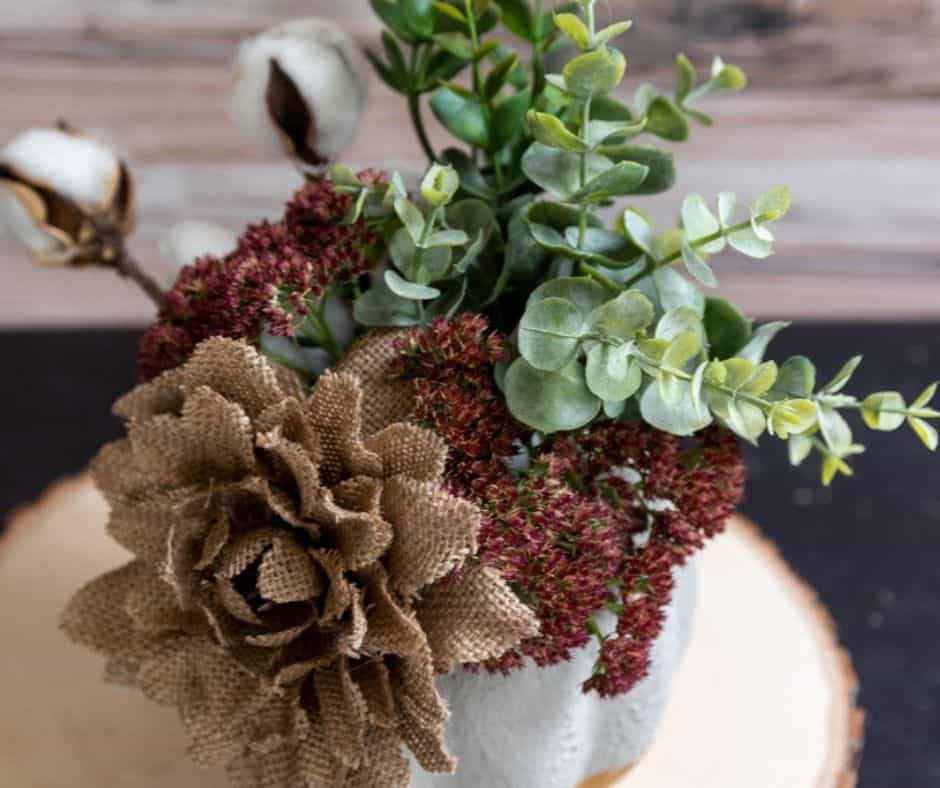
844, 108
764, 697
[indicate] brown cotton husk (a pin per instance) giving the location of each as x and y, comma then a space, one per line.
299, 578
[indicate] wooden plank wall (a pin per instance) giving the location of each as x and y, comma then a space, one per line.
844, 107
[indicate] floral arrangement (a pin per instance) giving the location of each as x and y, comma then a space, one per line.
400, 432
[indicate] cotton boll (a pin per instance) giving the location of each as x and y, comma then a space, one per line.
299, 91
74, 166
65, 197
188, 240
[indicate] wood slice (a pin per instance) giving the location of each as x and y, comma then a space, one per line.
765, 696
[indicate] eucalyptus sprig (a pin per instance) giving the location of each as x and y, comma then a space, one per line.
606, 323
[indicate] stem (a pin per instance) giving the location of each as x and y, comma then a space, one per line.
654, 265
128, 267
478, 89
414, 103
538, 66
414, 109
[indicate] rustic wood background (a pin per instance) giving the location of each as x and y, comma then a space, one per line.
844, 107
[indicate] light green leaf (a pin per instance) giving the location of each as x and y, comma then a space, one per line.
550, 401
800, 447
696, 386
698, 222
835, 429
623, 317
586, 294
833, 465
602, 131
558, 171
745, 420
678, 418
639, 230
549, 333
697, 266
926, 396
572, 26
926, 432
551, 131
761, 379
773, 204
747, 242
675, 290
447, 238
611, 373
341, 175
616, 181
884, 411
409, 290
683, 347
602, 247
411, 217
756, 348
796, 379
727, 203
843, 376
594, 73
687, 78
440, 184
670, 388
679, 320
403, 250
611, 32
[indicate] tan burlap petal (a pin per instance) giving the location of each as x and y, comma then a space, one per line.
163, 394
97, 616
387, 398
409, 451
343, 712
375, 684
335, 412
434, 532
472, 617
385, 763
392, 629
237, 372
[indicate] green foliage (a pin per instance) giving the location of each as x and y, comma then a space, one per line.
614, 323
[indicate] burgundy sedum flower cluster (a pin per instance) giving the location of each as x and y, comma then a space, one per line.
587, 525
266, 282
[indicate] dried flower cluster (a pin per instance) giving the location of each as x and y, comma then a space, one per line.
297, 584
266, 283
600, 519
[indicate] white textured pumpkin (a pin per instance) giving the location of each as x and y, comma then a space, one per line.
536, 729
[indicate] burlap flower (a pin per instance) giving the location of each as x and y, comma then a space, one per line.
298, 580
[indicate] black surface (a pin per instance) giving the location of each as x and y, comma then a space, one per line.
870, 547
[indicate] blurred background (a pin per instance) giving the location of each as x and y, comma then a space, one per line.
844, 107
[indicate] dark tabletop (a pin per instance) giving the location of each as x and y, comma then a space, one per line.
870, 547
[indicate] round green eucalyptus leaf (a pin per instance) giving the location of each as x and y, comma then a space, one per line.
611, 373
623, 317
662, 166
586, 294
884, 411
550, 401
795, 379
677, 418
679, 320
402, 250
410, 290
594, 73
617, 181
550, 332
603, 247
727, 329
559, 171
675, 290
664, 119
699, 222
